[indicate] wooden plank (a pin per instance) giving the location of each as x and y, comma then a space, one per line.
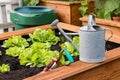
64, 71
68, 12
30, 30
63, 10
77, 67
109, 71
63, 2
69, 27
23, 32
103, 22
65, 26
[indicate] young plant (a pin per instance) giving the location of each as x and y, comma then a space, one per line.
14, 51
44, 36
15, 41
4, 68
70, 47
84, 7
105, 10
39, 55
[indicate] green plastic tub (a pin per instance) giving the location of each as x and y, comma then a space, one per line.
27, 16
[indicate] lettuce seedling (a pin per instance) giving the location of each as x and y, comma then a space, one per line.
4, 68
70, 47
38, 54
14, 51
18, 41
44, 36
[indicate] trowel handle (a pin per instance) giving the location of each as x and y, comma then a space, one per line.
68, 55
50, 64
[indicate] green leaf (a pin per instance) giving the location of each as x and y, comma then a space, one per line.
70, 47
76, 40
38, 45
83, 10
14, 51
4, 68
31, 2
84, 2
15, 41
44, 36
38, 56
108, 8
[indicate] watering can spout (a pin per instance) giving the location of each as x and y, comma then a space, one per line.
55, 23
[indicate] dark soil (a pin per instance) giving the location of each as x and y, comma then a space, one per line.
19, 72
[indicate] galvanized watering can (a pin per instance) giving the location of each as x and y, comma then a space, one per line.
92, 41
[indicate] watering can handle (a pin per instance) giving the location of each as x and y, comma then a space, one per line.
110, 35
91, 21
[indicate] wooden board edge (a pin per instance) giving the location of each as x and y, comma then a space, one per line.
75, 68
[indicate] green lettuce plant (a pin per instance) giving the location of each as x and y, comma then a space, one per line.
44, 36
13, 41
14, 51
70, 47
4, 68
39, 55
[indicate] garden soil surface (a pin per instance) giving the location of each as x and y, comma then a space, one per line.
19, 72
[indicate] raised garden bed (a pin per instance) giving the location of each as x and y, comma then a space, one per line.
68, 12
76, 70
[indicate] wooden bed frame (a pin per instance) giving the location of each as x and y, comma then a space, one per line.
106, 70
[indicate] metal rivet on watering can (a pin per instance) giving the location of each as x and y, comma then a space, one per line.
92, 42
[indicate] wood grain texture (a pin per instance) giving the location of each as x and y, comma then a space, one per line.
103, 22
68, 12
109, 68
109, 71
85, 71
23, 31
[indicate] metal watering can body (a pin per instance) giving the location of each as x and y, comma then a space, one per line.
92, 42
92, 46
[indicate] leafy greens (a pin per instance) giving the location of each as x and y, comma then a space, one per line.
4, 68
38, 55
15, 41
70, 47
44, 36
